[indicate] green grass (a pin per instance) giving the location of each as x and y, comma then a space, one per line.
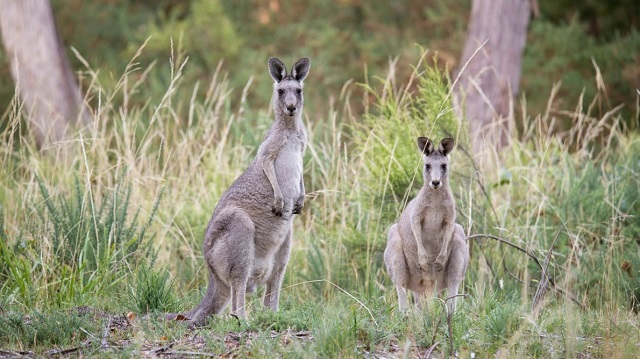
118, 229
47, 329
151, 291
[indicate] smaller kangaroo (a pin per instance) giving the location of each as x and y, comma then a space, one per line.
248, 239
426, 250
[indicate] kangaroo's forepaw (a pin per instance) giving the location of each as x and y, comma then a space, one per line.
297, 208
439, 264
423, 263
278, 206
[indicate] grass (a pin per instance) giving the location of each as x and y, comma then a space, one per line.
93, 242
151, 291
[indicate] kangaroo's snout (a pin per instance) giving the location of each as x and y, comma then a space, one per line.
291, 109
435, 184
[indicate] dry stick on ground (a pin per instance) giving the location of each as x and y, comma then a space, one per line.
63, 352
546, 276
159, 350
427, 354
11, 354
188, 353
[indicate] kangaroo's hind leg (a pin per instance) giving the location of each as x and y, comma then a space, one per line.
396, 265
217, 297
214, 302
232, 258
272, 292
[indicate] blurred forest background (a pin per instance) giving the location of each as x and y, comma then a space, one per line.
345, 39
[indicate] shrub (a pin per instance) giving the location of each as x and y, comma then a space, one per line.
87, 234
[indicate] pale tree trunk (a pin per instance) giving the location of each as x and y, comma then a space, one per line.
40, 69
489, 80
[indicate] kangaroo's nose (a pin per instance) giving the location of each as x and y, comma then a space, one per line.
291, 108
435, 184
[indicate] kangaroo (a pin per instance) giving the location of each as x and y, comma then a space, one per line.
248, 239
426, 250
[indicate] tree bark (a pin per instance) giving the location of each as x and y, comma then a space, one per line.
490, 79
40, 69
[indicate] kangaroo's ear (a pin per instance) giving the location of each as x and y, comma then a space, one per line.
425, 145
300, 70
277, 70
446, 146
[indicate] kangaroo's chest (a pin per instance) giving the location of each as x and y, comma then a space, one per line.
288, 166
434, 220
434, 223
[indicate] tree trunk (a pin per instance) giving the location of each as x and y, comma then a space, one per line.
489, 80
40, 68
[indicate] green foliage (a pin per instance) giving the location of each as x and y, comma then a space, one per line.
74, 246
492, 318
205, 44
618, 279
590, 207
16, 271
567, 54
590, 189
500, 320
336, 334
152, 291
605, 19
45, 329
89, 235
293, 315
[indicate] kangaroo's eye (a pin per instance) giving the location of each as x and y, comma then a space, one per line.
299, 91
444, 167
280, 92
427, 167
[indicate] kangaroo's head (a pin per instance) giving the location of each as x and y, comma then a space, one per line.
436, 162
287, 89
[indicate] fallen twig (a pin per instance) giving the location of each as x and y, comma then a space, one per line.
11, 354
159, 350
55, 352
427, 354
188, 353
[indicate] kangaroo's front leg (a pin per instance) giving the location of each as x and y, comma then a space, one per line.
268, 166
416, 228
441, 259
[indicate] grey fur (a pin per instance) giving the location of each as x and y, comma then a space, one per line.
248, 239
426, 250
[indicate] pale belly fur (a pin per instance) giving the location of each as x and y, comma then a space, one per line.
288, 166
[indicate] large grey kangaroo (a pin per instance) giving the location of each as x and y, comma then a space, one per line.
426, 250
248, 239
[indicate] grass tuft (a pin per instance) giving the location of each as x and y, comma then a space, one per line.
152, 291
